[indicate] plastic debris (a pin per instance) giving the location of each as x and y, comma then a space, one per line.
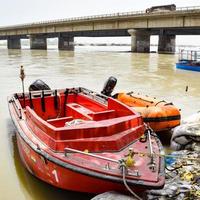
182, 178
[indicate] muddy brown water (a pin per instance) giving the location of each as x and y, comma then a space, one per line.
151, 74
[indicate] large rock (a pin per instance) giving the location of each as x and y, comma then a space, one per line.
112, 195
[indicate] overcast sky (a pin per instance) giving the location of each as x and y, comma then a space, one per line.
24, 11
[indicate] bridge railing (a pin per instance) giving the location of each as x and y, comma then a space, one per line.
119, 14
190, 8
94, 17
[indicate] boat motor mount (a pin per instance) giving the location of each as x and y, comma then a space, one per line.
39, 85
109, 86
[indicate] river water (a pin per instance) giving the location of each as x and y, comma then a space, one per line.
150, 74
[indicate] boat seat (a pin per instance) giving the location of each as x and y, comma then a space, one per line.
59, 122
78, 111
102, 115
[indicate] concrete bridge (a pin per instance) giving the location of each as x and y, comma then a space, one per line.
140, 25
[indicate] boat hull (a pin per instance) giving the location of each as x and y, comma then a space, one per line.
188, 67
58, 174
78, 172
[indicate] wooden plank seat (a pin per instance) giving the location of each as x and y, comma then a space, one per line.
59, 122
78, 111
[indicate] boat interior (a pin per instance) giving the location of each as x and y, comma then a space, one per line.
80, 120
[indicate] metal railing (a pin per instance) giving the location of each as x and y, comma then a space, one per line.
191, 55
104, 16
189, 8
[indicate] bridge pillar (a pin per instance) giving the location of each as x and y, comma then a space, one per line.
143, 41
166, 43
66, 43
38, 42
132, 32
13, 43
140, 41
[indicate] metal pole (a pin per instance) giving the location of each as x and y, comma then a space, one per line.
68, 150
22, 77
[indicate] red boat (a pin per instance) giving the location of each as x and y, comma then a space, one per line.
78, 140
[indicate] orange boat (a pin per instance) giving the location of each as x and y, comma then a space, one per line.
160, 115
78, 140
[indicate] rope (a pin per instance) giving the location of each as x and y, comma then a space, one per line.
125, 183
